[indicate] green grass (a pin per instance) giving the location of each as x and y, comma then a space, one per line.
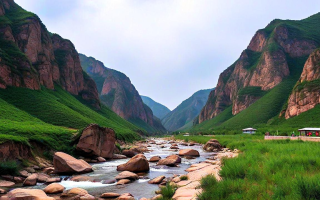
9, 167
265, 169
59, 108
167, 192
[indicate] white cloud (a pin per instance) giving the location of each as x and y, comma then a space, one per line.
168, 48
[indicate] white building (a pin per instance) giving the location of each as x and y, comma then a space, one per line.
249, 130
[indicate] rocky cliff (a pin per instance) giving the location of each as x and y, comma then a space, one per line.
187, 111
306, 94
263, 65
118, 93
158, 109
31, 57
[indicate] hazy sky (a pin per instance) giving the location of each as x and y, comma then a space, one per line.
168, 48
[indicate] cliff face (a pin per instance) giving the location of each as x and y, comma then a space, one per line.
30, 56
187, 111
306, 94
118, 93
262, 66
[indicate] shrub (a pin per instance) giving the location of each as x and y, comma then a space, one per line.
9, 167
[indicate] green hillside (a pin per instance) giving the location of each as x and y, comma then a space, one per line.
186, 112
59, 108
158, 109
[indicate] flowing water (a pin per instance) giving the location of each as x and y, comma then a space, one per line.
139, 188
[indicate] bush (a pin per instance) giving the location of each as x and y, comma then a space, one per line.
9, 167
168, 191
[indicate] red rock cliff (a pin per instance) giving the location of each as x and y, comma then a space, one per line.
306, 94
30, 56
263, 65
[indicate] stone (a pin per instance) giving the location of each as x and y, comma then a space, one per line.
74, 192
126, 196
31, 180
212, 145
97, 141
54, 179
18, 179
53, 188
138, 163
6, 183
66, 164
127, 175
118, 156
189, 152
174, 147
157, 180
155, 159
2, 191
110, 195
111, 181
123, 181
129, 153
26, 194
24, 173
171, 160
42, 178
48, 170
80, 178
157, 197
100, 159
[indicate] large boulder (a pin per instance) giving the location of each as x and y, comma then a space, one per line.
189, 152
53, 188
31, 180
138, 163
212, 145
171, 161
157, 180
66, 164
129, 153
97, 141
34, 194
155, 159
127, 175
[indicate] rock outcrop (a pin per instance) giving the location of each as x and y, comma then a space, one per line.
13, 150
212, 145
66, 164
96, 141
138, 163
32, 57
35, 194
261, 67
119, 94
306, 94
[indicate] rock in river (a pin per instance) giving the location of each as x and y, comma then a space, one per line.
138, 163
66, 164
189, 152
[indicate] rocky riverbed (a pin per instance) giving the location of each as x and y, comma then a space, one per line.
167, 161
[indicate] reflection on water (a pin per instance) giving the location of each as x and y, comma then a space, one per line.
139, 188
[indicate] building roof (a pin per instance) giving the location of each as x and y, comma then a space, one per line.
249, 129
309, 129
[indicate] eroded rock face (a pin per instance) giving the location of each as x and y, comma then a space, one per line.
138, 163
118, 93
263, 64
97, 141
44, 58
66, 164
306, 95
12, 151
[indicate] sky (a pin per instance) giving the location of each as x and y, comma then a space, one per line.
168, 48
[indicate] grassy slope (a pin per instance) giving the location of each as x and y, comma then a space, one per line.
62, 109
265, 170
265, 110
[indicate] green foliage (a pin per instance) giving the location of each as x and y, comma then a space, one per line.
58, 108
308, 85
265, 170
60, 56
184, 178
253, 59
168, 191
252, 91
9, 167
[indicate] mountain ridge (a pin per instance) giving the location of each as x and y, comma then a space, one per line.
158, 109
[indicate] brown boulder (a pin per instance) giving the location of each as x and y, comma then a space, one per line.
126, 196
129, 153
127, 175
110, 195
64, 164
26, 194
2, 191
52, 180
53, 188
6, 183
97, 141
80, 178
174, 147
42, 178
118, 156
157, 180
189, 152
100, 159
171, 160
138, 163
212, 145
123, 181
31, 180
155, 159
74, 192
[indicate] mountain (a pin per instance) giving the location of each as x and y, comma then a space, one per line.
158, 109
118, 93
186, 111
256, 87
45, 96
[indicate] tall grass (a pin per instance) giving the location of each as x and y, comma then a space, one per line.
265, 170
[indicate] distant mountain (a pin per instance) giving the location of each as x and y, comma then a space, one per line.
118, 93
186, 112
158, 109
